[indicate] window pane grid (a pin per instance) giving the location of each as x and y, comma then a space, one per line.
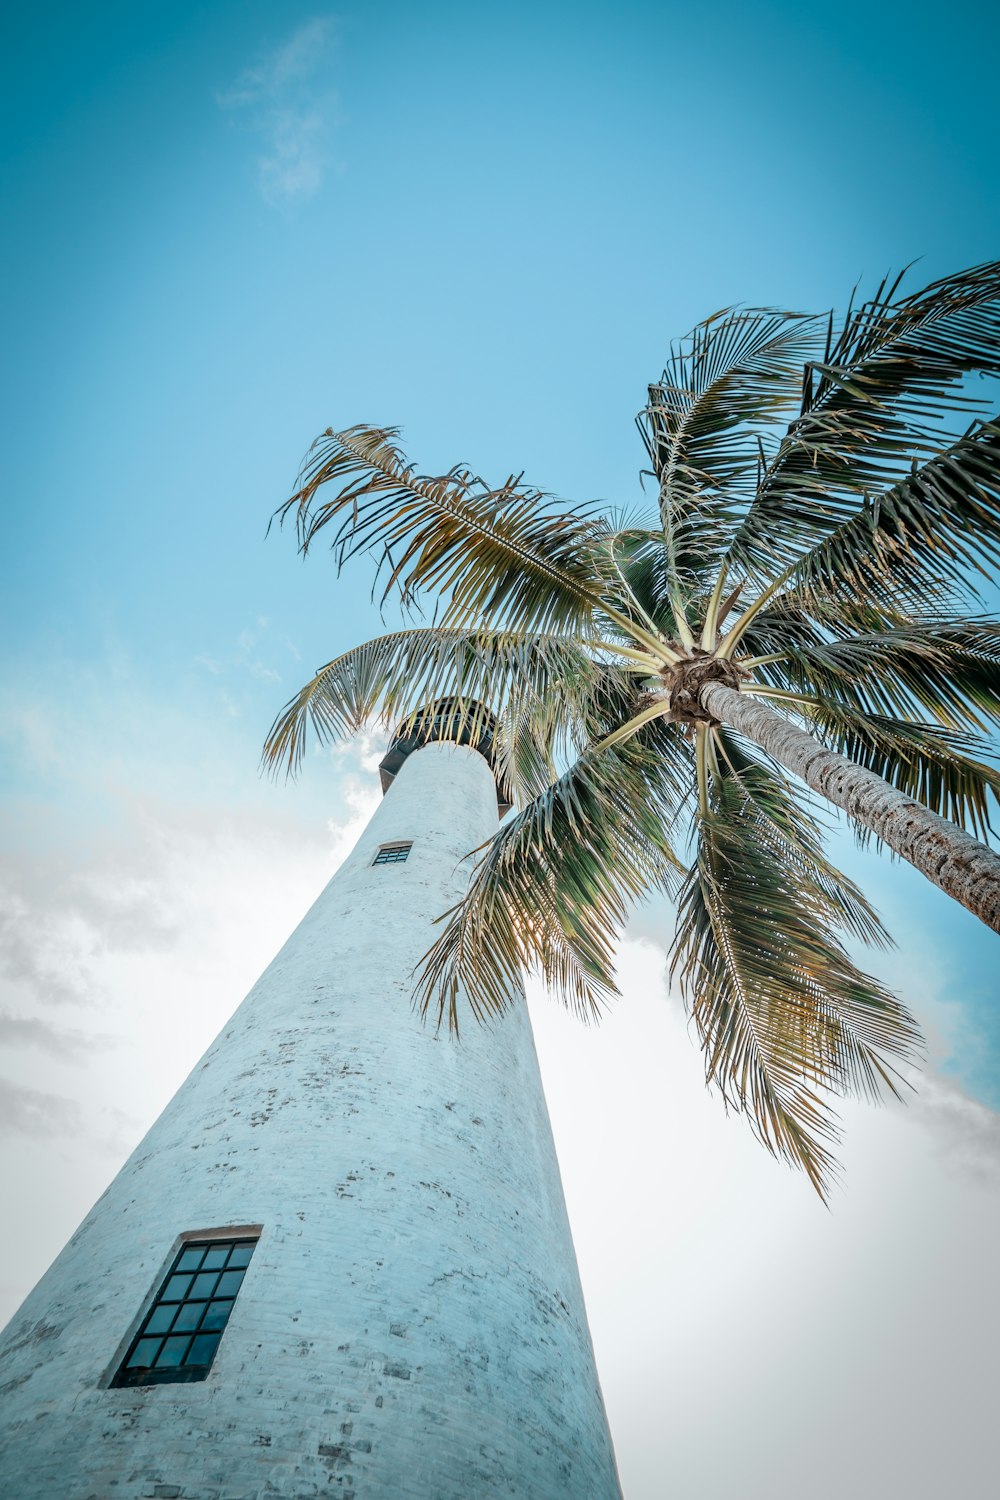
392, 854
181, 1331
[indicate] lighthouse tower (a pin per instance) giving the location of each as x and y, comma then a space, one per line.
339, 1264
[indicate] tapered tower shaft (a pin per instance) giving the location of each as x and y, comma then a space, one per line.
410, 1325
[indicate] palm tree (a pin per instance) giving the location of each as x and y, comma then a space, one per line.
800, 608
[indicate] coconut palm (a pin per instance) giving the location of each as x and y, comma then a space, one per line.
800, 608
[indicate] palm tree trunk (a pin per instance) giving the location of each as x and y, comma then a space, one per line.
963, 867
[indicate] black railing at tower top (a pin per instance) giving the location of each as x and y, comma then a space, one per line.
445, 720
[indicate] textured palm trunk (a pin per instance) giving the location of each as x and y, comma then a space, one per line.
939, 849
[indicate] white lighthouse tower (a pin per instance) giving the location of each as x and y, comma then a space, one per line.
339, 1264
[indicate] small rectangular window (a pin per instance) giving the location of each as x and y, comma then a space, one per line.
392, 854
180, 1333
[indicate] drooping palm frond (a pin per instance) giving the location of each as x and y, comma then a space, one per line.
917, 545
552, 889
395, 677
948, 669
782, 1013
916, 350
791, 822
881, 397
502, 555
720, 395
933, 530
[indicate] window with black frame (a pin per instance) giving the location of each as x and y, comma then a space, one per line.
180, 1333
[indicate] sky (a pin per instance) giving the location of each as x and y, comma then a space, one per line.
237, 223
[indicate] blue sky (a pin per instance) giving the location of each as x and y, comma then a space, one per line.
237, 223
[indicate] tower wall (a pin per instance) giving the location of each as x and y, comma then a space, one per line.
411, 1326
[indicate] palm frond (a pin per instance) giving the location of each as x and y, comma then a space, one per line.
552, 889
795, 621
887, 392
641, 561
723, 389
539, 687
928, 534
787, 821
946, 669
783, 1015
505, 555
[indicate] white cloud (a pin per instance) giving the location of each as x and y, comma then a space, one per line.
32, 1112
264, 673
357, 765
32, 1031
288, 63
44, 955
284, 99
965, 1133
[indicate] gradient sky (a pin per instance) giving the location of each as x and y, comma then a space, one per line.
235, 223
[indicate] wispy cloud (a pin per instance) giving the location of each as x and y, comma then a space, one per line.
964, 1131
265, 674
49, 965
285, 100
44, 1116
25, 1111
32, 1031
55, 925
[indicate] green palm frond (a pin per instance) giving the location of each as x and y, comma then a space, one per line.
542, 729
916, 546
783, 1015
641, 562
497, 555
540, 688
910, 669
720, 395
933, 530
552, 889
788, 822
882, 396
798, 618
796, 615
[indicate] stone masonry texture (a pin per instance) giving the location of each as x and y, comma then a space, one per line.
412, 1325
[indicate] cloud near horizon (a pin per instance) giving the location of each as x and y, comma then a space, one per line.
290, 109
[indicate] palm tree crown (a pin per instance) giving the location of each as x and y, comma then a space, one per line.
801, 601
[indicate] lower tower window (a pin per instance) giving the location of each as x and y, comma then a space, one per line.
180, 1333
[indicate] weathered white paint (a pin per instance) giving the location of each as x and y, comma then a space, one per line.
412, 1325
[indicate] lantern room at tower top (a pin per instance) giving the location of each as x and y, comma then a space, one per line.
447, 720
